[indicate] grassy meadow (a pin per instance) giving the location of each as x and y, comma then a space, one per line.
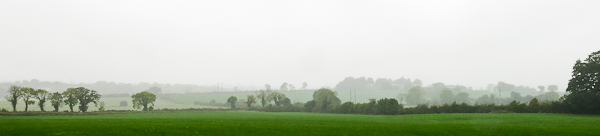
265, 123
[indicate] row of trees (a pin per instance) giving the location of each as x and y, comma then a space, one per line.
265, 97
326, 101
71, 97
416, 96
583, 98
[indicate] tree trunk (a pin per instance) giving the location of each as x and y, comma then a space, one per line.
71, 107
41, 106
14, 104
55, 108
145, 107
26, 106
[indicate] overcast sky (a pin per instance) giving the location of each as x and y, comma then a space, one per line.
252, 43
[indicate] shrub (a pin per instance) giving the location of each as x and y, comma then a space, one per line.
101, 108
123, 104
3, 110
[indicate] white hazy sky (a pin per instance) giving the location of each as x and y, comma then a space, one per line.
251, 43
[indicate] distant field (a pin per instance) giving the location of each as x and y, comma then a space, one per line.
263, 123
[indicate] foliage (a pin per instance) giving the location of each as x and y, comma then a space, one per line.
14, 93
70, 98
447, 96
232, 101
276, 97
142, 99
415, 96
584, 86
325, 99
251, 100
387, 106
462, 97
310, 106
41, 95
55, 99
123, 103
262, 95
26, 94
286, 102
86, 96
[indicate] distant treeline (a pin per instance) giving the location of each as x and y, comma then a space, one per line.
326, 101
405, 84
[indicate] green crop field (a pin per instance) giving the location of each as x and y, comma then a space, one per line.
264, 123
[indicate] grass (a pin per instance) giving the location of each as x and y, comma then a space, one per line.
264, 123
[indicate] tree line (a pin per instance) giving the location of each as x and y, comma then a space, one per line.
71, 97
583, 97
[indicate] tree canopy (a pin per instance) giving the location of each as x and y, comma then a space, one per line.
584, 85
142, 99
14, 93
70, 98
86, 96
26, 94
232, 100
325, 99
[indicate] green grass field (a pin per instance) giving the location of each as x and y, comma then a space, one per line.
263, 123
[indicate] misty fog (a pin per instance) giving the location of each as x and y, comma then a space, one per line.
249, 44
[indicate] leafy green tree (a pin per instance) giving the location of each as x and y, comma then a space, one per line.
325, 99
41, 95
276, 97
542, 88
251, 100
232, 100
462, 97
345, 108
310, 105
86, 96
415, 96
286, 102
387, 106
485, 99
584, 86
14, 93
534, 105
55, 99
262, 95
70, 98
27, 94
142, 100
447, 96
